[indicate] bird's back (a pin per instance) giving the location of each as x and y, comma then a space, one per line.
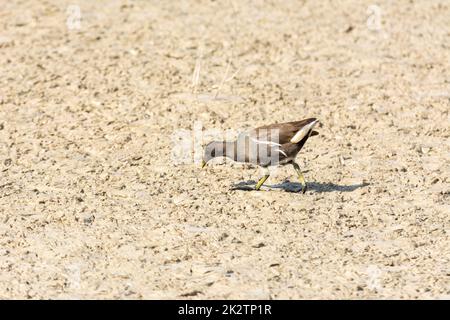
283, 132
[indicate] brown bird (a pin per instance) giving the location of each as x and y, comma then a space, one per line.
272, 145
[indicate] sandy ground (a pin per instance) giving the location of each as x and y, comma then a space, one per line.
94, 202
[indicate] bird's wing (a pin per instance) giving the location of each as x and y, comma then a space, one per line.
260, 144
282, 133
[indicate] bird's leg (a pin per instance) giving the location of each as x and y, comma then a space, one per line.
300, 176
263, 179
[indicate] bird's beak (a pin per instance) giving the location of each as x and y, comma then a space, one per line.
203, 164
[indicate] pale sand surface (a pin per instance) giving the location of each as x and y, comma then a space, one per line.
92, 205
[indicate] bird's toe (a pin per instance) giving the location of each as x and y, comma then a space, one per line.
304, 188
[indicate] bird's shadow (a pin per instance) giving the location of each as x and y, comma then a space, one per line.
297, 187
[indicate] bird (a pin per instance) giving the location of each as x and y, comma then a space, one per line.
267, 146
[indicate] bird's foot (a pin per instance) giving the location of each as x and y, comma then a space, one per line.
260, 182
300, 177
304, 188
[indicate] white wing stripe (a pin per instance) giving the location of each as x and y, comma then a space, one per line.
270, 143
281, 151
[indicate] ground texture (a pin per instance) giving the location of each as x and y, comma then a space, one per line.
95, 202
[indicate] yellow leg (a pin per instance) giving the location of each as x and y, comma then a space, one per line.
261, 181
300, 176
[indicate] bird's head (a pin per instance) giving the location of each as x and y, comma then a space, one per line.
212, 150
